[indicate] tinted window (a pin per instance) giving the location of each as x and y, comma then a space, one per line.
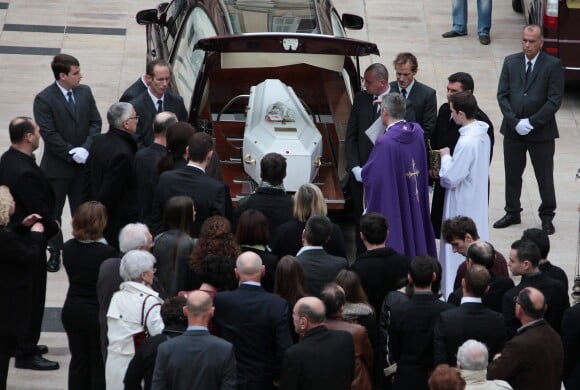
187, 62
173, 17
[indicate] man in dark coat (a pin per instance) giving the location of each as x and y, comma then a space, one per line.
380, 268
323, 359
270, 198
210, 196
445, 135
411, 328
524, 259
256, 322
32, 194
570, 334
534, 357
156, 99
471, 320
530, 91
111, 172
69, 120
542, 240
135, 89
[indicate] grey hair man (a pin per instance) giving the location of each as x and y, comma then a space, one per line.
472, 357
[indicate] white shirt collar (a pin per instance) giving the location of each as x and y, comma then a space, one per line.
154, 98
533, 60
470, 300
408, 89
64, 91
392, 124
307, 248
195, 165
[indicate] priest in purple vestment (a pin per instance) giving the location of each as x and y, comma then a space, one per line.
395, 180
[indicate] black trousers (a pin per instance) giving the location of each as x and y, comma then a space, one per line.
73, 188
357, 193
542, 157
7, 346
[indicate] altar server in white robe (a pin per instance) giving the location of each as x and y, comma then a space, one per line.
465, 177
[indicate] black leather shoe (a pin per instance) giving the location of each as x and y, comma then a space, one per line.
36, 363
41, 349
507, 220
53, 264
548, 227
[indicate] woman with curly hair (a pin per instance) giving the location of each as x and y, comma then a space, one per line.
215, 238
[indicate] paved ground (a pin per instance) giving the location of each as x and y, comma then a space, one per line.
112, 56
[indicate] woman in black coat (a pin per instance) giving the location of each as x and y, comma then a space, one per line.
82, 257
21, 248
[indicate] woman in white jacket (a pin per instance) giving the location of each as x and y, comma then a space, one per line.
134, 308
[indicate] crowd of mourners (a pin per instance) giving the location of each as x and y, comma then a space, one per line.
171, 287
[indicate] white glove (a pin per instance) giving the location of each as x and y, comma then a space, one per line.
79, 155
524, 127
356, 171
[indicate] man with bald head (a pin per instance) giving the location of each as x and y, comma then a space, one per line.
196, 360
534, 357
323, 359
256, 322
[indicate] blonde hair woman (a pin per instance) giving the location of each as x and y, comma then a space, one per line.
308, 201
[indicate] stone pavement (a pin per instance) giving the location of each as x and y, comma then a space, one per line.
103, 35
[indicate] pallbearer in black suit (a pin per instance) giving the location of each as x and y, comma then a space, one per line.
196, 359
530, 90
135, 89
421, 99
365, 111
471, 320
69, 120
256, 323
111, 171
33, 195
323, 359
155, 99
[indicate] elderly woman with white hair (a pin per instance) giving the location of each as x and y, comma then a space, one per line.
134, 312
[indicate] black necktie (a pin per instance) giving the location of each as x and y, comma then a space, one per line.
404, 92
159, 105
70, 99
528, 71
376, 107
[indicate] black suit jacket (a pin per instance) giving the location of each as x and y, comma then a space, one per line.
30, 189
411, 338
571, 340
256, 323
532, 360
210, 196
195, 360
554, 272
134, 90
379, 271
320, 268
357, 143
555, 295
111, 179
146, 110
63, 128
146, 161
493, 298
324, 359
274, 203
421, 106
468, 321
538, 100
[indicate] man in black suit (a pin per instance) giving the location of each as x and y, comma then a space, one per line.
146, 160
210, 196
319, 267
323, 359
365, 111
135, 89
542, 240
471, 320
483, 253
533, 359
529, 94
110, 175
570, 334
411, 328
446, 134
270, 198
196, 359
155, 99
256, 322
69, 120
524, 259
32, 194
379, 268
421, 99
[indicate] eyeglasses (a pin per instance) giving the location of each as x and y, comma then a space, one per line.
136, 117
